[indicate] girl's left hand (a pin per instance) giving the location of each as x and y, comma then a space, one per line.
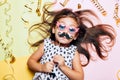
59, 60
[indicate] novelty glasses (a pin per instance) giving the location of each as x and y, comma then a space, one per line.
71, 29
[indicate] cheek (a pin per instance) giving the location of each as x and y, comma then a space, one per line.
57, 31
75, 36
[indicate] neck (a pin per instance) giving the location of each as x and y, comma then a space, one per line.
60, 44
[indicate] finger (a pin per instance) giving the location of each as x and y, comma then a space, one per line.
55, 57
51, 68
52, 63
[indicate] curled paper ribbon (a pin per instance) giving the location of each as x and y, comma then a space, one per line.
64, 3
9, 77
2, 2
99, 7
9, 58
39, 7
116, 17
118, 75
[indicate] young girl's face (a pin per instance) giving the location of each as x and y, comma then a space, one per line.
65, 30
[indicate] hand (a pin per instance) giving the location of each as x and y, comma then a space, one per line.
48, 66
59, 60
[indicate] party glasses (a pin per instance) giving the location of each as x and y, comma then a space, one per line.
71, 29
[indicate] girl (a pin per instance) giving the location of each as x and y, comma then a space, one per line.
58, 56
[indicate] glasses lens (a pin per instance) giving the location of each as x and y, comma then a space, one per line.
72, 30
61, 27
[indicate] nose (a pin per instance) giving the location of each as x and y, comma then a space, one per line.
66, 30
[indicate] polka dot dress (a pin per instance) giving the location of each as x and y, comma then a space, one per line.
49, 51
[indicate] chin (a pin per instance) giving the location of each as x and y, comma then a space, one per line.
64, 41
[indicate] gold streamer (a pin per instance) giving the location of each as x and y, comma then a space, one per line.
79, 6
9, 77
28, 12
29, 9
116, 17
3, 44
118, 75
64, 3
9, 58
39, 7
9, 27
99, 7
2, 2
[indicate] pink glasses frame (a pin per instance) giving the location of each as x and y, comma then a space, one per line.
67, 27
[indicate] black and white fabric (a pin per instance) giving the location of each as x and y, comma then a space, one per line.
50, 50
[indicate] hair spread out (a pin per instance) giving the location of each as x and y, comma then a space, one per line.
89, 32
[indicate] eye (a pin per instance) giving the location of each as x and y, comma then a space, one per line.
72, 30
61, 27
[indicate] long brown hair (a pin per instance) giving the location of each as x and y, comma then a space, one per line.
89, 32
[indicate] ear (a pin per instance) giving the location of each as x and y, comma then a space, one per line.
53, 30
75, 36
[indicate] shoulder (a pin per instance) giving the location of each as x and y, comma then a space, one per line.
73, 47
45, 43
41, 47
77, 53
47, 40
76, 56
